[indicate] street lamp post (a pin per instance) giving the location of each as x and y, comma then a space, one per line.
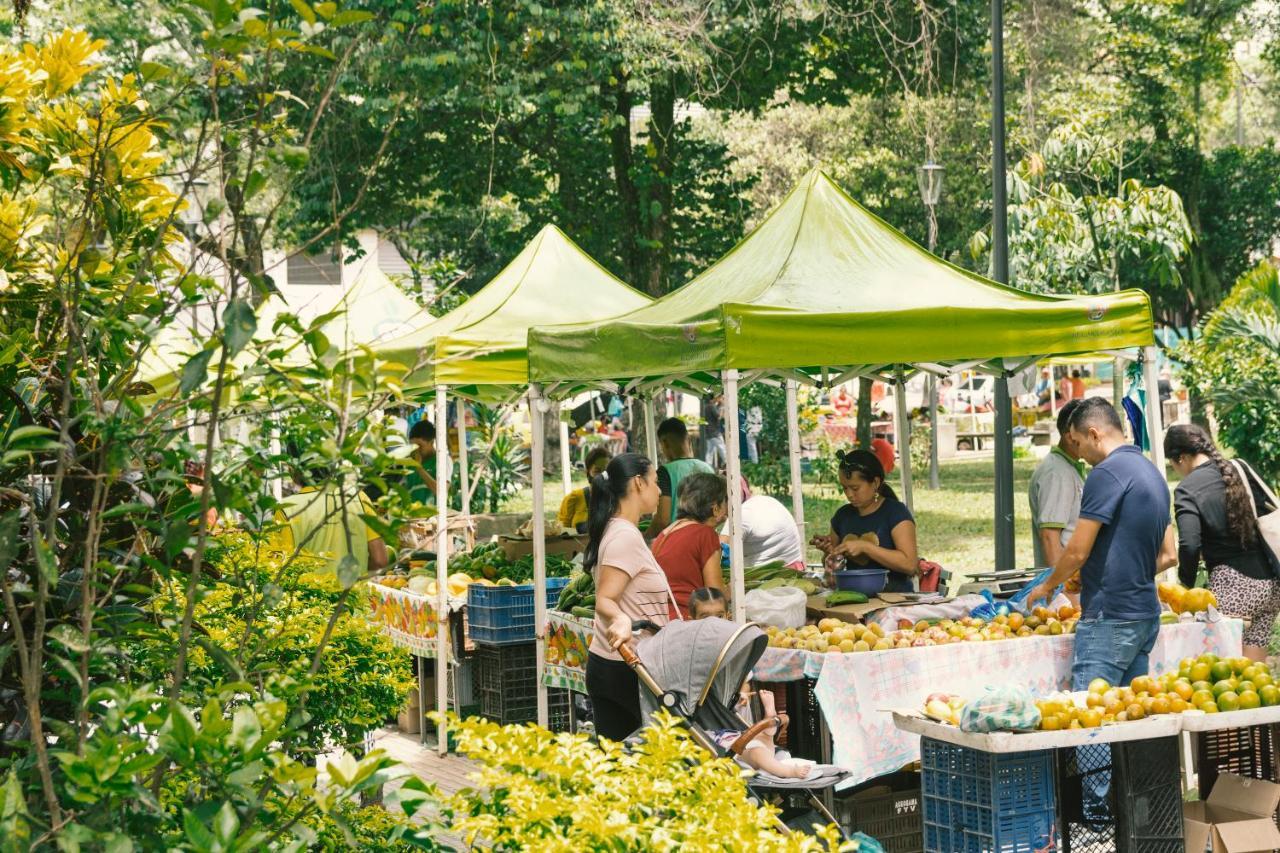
930, 180
1004, 530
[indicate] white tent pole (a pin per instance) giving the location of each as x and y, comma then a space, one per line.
537, 409
442, 568
650, 430
904, 439
737, 586
793, 455
1155, 410
565, 463
935, 482
464, 462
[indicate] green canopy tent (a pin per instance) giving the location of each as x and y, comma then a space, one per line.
822, 291
479, 351
373, 309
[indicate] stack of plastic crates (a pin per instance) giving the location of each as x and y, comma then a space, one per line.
498, 615
1142, 809
506, 687
1248, 752
981, 802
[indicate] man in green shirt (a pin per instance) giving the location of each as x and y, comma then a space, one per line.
673, 441
1054, 495
421, 480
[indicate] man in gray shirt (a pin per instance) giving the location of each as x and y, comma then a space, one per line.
1054, 495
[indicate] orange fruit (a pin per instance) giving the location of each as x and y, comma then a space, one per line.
1222, 670
1209, 708
1196, 600
1092, 718
1270, 695
1201, 671
1065, 612
1142, 684
1177, 705
1015, 620
1050, 723
1229, 701
1135, 711
1200, 697
1160, 705
1183, 689
1250, 700
1099, 685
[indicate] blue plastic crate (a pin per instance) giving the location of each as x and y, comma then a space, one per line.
504, 614
979, 802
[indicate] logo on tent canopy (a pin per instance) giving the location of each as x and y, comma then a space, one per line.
690, 332
1097, 310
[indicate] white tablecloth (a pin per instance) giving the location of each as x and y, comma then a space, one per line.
855, 691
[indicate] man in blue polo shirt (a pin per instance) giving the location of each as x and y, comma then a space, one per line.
1122, 537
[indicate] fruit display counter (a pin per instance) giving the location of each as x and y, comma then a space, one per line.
856, 691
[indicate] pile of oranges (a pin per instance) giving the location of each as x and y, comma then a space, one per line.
1183, 600
1208, 683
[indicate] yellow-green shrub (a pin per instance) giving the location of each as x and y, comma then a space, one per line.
563, 792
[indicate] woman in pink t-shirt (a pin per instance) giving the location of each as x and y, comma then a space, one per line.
630, 586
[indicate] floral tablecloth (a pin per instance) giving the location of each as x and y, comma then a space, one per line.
407, 618
565, 651
855, 690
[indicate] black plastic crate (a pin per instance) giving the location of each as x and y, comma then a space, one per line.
504, 711
893, 818
1142, 812
1248, 752
511, 670
805, 731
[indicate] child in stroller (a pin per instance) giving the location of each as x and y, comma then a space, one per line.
760, 753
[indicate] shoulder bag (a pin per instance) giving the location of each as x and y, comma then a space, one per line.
1268, 524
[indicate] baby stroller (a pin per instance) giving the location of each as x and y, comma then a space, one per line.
694, 670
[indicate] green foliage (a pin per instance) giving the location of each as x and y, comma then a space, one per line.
1078, 223
500, 467
1237, 364
274, 614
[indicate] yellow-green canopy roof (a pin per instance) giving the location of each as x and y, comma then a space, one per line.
822, 284
480, 348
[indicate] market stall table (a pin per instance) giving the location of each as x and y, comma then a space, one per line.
854, 689
410, 621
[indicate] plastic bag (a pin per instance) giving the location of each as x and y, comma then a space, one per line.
1010, 708
1018, 601
782, 607
991, 609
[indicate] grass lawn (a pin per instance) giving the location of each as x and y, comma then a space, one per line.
955, 523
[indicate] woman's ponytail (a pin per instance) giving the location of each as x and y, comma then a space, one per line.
1192, 440
607, 491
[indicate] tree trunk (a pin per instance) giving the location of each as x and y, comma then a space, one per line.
659, 193
864, 412
645, 222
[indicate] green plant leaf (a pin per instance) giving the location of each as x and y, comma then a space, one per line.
46, 560
195, 371
240, 324
351, 16
303, 10
348, 571
69, 637
198, 834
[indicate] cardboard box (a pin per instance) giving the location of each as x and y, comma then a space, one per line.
410, 717
1237, 817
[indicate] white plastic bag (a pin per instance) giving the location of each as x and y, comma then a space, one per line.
1009, 708
782, 607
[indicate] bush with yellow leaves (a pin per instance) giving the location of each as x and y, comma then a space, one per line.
560, 792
